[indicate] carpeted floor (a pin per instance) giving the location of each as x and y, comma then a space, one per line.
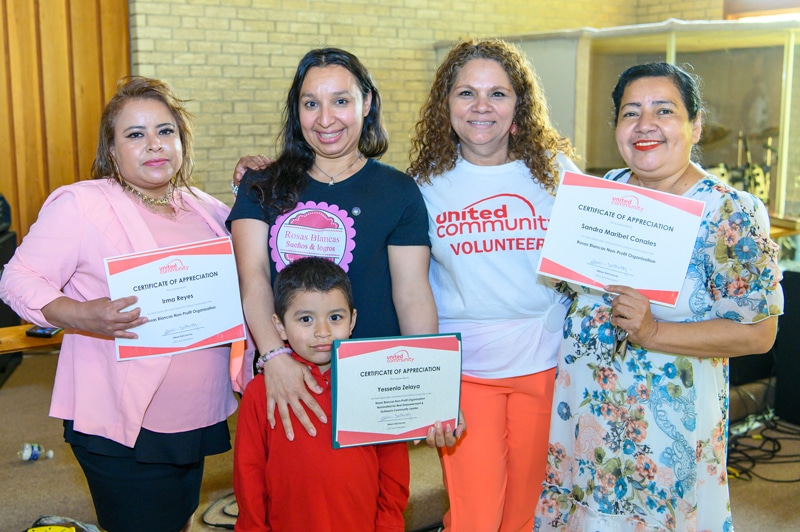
57, 487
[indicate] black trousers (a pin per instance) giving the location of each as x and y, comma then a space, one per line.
131, 496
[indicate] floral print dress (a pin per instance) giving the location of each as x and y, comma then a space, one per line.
638, 439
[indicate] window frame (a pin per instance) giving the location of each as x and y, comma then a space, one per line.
735, 9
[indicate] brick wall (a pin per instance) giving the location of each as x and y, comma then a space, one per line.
648, 11
235, 58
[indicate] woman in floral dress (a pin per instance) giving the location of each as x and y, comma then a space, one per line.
638, 437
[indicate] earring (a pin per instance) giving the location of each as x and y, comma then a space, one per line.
514, 129
117, 174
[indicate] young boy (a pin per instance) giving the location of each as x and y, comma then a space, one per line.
305, 484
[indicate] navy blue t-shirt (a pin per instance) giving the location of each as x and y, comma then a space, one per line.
352, 223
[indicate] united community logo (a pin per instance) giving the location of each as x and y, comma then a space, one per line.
499, 223
400, 356
175, 265
629, 202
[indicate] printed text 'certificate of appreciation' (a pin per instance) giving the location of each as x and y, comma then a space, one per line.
603, 232
189, 293
394, 389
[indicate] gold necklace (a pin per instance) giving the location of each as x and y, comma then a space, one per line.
333, 177
160, 202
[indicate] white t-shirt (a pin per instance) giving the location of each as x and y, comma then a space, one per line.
487, 225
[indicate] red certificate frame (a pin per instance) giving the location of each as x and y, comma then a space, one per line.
393, 389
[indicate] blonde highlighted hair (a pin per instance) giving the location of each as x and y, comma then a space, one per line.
141, 88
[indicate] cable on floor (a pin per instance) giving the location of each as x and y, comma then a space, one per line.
762, 447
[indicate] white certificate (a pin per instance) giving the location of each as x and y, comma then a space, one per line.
189, 294
394, 389
603, 232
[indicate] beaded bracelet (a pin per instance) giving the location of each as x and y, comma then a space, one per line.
268, 355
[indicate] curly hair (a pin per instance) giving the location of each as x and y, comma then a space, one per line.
435, 147
279, 186
140, 88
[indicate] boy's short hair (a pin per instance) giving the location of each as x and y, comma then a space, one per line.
313, 274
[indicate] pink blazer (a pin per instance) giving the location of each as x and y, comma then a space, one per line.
78, 226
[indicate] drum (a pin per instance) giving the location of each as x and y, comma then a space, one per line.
721, 171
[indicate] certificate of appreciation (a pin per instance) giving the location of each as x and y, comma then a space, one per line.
394, 389
603, 232
189, 293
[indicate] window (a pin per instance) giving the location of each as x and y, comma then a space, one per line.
739, 9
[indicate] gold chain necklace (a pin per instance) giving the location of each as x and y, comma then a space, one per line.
333, 177
161, 202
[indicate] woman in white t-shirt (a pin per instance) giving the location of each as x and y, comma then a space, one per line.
487, 162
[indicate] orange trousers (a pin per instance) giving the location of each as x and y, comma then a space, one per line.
494, 473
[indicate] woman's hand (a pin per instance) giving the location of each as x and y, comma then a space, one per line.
99, 316
252, 162
714, 338
630, 311
286, 381
439, 436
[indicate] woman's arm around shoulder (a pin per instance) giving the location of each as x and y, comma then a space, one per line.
286, 379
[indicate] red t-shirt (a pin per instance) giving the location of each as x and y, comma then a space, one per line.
305, 484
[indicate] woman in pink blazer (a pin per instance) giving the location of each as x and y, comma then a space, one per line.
140, 429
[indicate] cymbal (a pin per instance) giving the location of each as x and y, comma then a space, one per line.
766, 133
712, 133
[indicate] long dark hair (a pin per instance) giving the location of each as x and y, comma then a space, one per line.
281, 183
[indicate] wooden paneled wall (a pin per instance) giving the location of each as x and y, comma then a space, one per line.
61, 63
